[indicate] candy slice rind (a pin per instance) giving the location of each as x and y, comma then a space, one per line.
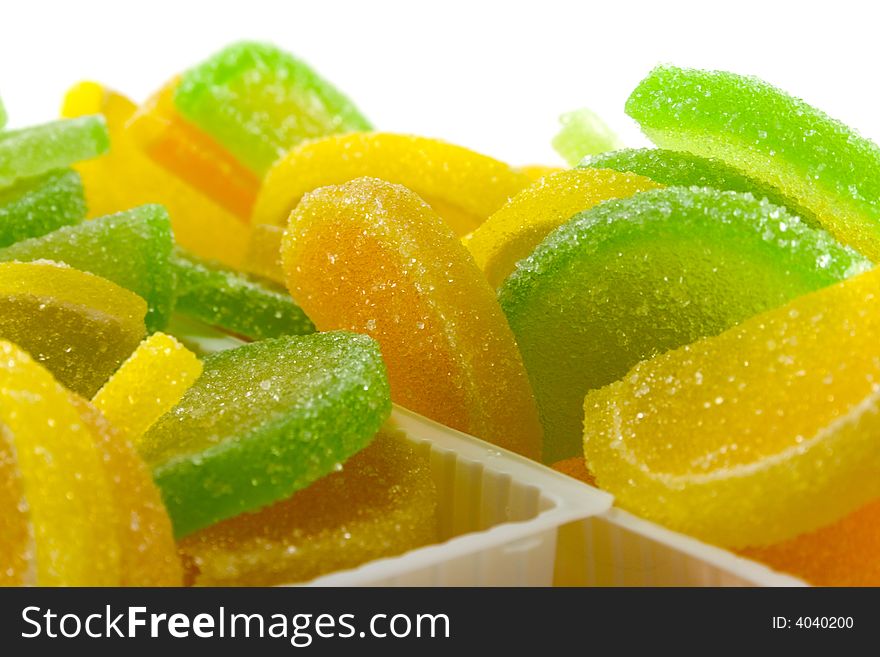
263, 421
756, 435
819, 161
36, 150
131, 248
634, 277
36, 206
583, 133
259, 101
682, 169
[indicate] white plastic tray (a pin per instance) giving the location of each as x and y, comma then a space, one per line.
616, 548
499, 515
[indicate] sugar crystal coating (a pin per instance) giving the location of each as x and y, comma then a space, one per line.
681, 169
843, 553
36, 206
380, 503
191, 154
513, 232
461, 186
126, 177
77, 325
756, 435
16, 553
634, 277
263, 421
39, 149
229, 299
778, 138
69, 508
372, 257
259, 101
147, 385
147, 552
583, 133
130, 248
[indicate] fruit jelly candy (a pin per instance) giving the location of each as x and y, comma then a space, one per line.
263, 421
513, 232
131, 248
147, 385
583, 133
39, 149
36, 206
191, 154
756, 435
126, 177
200, 338
381, 503
744, 121
372, 257
2, 114
263, 255
232, 300
634, 277
67, 503
79, 326
15, 555
679, 169
461, 186
147, 552
259, 101
576, 468
844, 553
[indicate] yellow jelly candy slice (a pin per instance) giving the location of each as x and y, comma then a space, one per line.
462, 186
381, 503
15, 536
513, 232
756, 435
126, 177
78, 325
147, 385
537, 171
147, 552
372, 257
844, 553
263, 255
68, 501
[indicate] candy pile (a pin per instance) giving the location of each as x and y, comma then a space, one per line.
209, 302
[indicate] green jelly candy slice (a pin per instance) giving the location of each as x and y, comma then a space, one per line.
234, 301
131, 248
259, 101
583, 133
32, 151
680, 169
265, 420
36, 206
744, 121
634, 277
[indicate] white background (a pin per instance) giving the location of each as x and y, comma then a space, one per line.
493, 76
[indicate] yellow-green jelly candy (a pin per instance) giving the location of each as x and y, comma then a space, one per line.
680, 169
634, 277
236, 302
36, 206
259, 101
825, 165
265, 420
39, 149
131, 248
